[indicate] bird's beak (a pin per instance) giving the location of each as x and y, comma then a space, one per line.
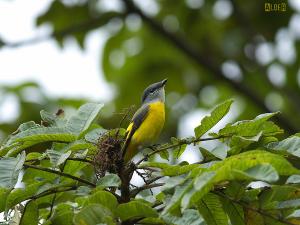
163, 82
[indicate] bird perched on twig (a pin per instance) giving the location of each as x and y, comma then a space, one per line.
147, 122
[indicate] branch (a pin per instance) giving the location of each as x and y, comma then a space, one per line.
134, 192
45, 193
187, 141
246, 206
202, 60
72, 159
60, 173
153, 179
51, 191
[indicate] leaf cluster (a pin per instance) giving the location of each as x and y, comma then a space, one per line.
251, 177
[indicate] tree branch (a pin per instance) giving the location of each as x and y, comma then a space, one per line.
135, 191
70, 158
45, 193
246, 206
187, 141
204, 61
60, 173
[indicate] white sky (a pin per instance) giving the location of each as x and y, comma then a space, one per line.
67, 72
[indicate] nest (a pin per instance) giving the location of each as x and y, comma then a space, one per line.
109, 155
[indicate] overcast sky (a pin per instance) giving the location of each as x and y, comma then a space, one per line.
62, 72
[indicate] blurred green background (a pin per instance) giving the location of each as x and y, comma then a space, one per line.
209, 50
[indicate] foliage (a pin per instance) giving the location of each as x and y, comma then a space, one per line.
60, 186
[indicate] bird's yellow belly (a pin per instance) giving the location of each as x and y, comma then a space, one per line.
151, 127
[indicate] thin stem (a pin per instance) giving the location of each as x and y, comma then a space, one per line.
60, 173
70, 158
134, 192
45, 193
181, 142
153, 179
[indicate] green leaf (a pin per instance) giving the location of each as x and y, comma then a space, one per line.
16, 148
164, 154
152, 221
27, 126
293, 203
30, 214
19, 195
3, 196
57, 158
10, 169
210, 121
34, 136
135, 209
52, 119
210, 207
295, 214
83, 118
79, 145
177, 152
94, 135
290, 145
218, 152
180, 190
63, 215
260, 172
110, 180
234, 211
104, 198
238, 143
199, 183
93, 214
170, 170
251, 128
204, 179
294, 179
45, 134
189, 217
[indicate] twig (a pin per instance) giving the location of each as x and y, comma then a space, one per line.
142, 176
51, 206
181, 142
70, 158
60, 173
134, 192
54, 197
153, 179
45, 193
246, 206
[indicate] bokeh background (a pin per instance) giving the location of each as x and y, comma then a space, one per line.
59, 54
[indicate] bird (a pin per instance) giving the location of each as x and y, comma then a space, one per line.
147, 122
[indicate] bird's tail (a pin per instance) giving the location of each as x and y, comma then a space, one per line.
129, 149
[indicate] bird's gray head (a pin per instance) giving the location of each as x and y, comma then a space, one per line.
154, 92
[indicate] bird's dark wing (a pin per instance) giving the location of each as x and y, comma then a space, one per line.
136, 122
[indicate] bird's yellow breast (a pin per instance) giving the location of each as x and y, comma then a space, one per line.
151, 127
